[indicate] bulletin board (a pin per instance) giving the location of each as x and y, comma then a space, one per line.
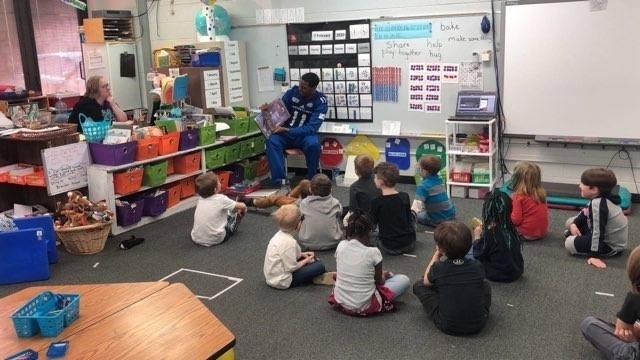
418, 66
65, 167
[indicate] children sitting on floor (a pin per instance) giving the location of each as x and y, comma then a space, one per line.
285, 265
322, 228
216, 217
362, 288
391, 212
432, 205
600, 229
453, 290
363, 190
496, 242
530, 214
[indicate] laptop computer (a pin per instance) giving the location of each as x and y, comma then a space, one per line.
475, 106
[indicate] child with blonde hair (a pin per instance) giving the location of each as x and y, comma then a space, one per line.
216, 217
530, 214
285, 265
362, 288
619, 340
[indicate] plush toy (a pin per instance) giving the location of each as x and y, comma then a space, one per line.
80, 211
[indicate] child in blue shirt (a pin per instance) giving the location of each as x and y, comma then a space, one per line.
432, 205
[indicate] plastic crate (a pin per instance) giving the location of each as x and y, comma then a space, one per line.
237, 126
188, 139
214, 158
47, 314
147, 148
246, 148
232, 153
173, 194
155, 174
155, 203
113, 154
480, 176
206, 135
223, 178
94, 131
170, 166
129, 212
169, 143
463, 177
252, 126
262, 166
187, 187
187, 163
129, 181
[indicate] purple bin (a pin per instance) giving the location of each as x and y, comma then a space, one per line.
113, 154
188, 139
129, 213
155, 203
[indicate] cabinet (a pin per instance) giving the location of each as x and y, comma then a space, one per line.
101, 180
472, 149
99, 30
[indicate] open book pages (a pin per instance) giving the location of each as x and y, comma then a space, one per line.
275, 114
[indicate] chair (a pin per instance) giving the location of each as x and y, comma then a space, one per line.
295, 152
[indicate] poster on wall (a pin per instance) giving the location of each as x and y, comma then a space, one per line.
340, 54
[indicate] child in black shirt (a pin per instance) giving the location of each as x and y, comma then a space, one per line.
453, 290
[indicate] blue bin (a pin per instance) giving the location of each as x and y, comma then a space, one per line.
206, 59
45, 222
24, 255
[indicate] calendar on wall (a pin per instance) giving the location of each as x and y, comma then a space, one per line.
340, 54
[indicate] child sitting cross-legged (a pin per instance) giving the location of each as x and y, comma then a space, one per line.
432, 204
453, 290
216, 217
285, 265
362, 288
322, 228
364, 190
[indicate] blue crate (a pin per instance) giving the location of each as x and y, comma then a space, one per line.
47, 314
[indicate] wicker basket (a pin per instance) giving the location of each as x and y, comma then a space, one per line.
85, 240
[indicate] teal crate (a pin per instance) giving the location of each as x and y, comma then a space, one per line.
47, 314
206, 135
214, 158
232, 153
238, 127
155, 174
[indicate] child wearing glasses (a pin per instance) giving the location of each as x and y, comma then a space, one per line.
285, 265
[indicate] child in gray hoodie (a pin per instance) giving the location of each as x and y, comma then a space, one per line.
321, 228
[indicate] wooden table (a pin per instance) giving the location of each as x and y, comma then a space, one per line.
151, 320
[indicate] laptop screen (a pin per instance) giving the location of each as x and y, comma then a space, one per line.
476, 104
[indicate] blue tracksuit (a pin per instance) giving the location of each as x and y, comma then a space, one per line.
306, 117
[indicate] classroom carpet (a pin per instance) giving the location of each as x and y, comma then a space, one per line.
536, 317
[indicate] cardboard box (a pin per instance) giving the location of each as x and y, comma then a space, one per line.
478, 193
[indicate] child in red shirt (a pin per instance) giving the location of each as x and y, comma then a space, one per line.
530, 214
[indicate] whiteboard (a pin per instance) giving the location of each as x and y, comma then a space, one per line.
570, 71
451, 40
65, 167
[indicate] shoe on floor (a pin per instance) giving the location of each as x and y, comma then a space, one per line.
327, 278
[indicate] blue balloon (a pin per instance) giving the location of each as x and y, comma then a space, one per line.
201, 23
221, 20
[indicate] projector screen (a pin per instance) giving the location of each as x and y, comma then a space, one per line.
571, 71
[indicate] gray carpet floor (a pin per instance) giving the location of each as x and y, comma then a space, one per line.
536, 317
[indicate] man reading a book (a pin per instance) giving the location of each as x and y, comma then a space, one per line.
307, 108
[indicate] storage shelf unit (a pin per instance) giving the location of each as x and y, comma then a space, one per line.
101, 182
99, 30
458, 154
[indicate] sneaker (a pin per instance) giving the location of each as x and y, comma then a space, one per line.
233, 220
327, 278
566, 233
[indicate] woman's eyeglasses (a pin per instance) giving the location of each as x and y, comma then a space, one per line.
105, 86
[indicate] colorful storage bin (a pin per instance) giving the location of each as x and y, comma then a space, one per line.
155, 203
262, 166
129, 181
169, 143
223, 177
214, 158
232, 153
47, 314
147, 148
173, 194
237, 126
187, 187
155, 174
129, 212
206, 135
188, 139
187, 163
113, 154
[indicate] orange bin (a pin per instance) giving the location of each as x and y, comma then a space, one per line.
170, 166
223, 178
128, 182
168, 143
187, 187
188, 163
147, 148
173, 191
